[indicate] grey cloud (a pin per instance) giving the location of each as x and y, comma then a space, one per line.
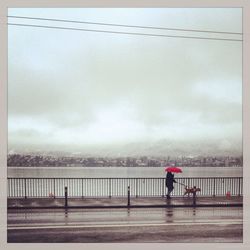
154, 75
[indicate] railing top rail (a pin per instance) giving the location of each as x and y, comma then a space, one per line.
146, 178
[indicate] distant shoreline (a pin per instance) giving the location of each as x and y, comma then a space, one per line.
18, 160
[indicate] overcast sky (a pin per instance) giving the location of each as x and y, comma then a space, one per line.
74, 88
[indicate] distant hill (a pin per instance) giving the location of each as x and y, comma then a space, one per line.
164, 148
157, 148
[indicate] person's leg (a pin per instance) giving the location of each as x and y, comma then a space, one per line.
170, 189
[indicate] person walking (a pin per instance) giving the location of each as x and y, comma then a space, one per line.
170, 183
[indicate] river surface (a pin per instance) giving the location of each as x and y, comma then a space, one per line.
122, 172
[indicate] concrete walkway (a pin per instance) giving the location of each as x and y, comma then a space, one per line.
114, 202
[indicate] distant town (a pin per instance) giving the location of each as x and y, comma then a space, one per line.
30, 160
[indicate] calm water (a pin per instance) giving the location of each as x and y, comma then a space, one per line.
125, 172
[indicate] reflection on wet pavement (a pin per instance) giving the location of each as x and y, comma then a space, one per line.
169, 215
159, 215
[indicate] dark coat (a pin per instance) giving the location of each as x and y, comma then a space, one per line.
170, 180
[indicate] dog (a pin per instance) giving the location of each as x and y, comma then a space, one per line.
191, 190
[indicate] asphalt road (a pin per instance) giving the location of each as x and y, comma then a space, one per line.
126, 225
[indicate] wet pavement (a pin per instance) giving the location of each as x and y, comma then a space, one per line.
148, 219
206, 224
121, 216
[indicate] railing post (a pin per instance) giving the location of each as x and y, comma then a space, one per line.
136, 188
128, 196
194, 196
54, 188
239, 186
163, 187
82, 188
214, 189
109, 187
25, 191
66, 196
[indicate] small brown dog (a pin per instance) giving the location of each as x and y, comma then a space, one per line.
191, 190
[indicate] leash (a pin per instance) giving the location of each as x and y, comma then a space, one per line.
181, 183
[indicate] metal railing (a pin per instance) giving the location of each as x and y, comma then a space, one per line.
117, 187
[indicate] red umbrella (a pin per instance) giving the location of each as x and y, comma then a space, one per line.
173, 169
